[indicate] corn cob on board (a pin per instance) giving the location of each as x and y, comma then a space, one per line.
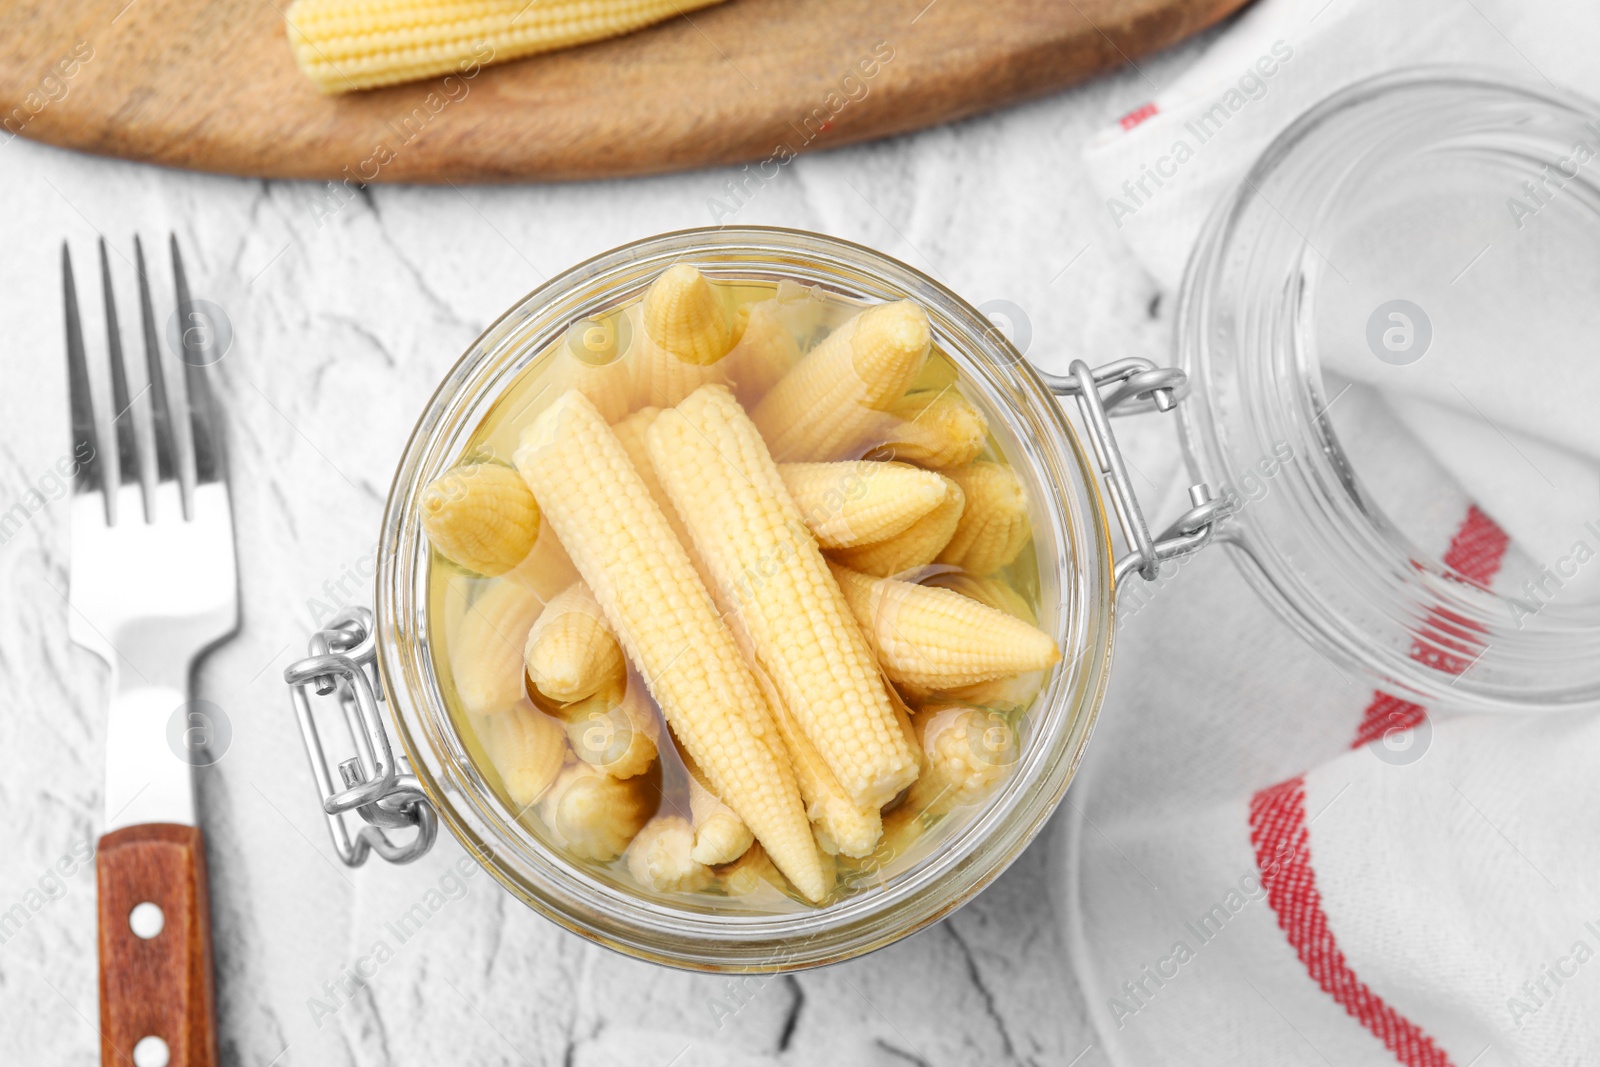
214, 86
718, 676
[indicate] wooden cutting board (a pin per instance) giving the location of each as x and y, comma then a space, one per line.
211, 85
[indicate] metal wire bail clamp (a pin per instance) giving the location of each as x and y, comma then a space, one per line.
1128, 387
377, 786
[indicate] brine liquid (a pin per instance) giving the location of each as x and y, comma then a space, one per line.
809, 313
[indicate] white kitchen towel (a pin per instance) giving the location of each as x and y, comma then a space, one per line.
1264, 862
1166, 164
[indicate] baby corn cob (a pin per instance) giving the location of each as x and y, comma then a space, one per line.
1016, 691
994, 524
660, 611
661, 857
630, 431
720, 836
917, 545
343, 45
969, 750
933, 429
994, 592
835, 396
481, 516
526, 748
593, 815
902, 715
592, 362
614, 730
842, 826
685, 316
715, 467
765, 352
830, 811
839, 823
486, 654
547, 569
858, 502
687, 332
571, 653
936, 639
751, 873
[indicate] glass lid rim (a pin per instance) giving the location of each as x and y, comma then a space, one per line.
1206, 452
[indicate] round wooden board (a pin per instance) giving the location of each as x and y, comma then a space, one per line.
211, 85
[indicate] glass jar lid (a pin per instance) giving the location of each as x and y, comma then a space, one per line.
1388, 327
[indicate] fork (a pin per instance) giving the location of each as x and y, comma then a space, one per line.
154, 585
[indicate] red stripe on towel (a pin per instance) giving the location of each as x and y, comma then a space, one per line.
1136, 116
1475, 553
1279, 833
1387, 714
1478, 548
1282, 845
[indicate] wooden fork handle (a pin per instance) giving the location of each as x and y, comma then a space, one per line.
155, 986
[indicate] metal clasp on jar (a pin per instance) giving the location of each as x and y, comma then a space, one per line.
377, 786
1129, 387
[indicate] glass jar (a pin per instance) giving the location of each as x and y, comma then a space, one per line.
1072, 542
1404, 192
1265, 318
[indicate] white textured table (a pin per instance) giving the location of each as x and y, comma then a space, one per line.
344, 320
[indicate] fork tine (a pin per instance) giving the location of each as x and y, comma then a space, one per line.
178, 420
208, 464
121, 426
129, 418
155, 374
92, 470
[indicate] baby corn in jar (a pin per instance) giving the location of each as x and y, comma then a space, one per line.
734, 596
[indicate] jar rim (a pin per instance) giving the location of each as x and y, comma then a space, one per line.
1077, 553
1248, 343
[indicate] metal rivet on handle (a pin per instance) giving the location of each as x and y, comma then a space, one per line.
151, 1052
146, 920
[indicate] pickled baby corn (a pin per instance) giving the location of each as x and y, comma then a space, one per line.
1010, 693
547, 569
593, 363
630, 431
571, 653
994, 523
859, 502
936, 639
832, 814
720, 836
661, 857
902, 715
765, 351
642, 577
593, 815
969, 751
480, 515
615, 730
938, 429
992, 591
750, 874
344, 45
917, 546
834, 397
842, 826
716, 468
687, 331
527, 750
486, 652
